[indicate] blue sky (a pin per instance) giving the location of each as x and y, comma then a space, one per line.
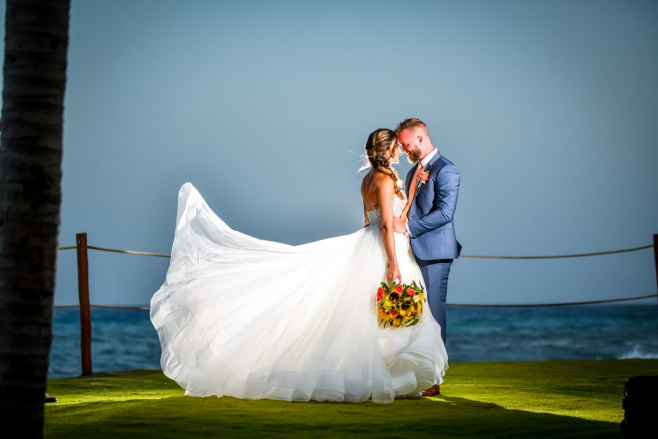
548, 109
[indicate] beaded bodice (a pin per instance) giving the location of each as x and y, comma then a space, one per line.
375, 215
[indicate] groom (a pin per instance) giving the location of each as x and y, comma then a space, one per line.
432, 187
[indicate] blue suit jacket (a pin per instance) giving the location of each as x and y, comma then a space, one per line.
432, 211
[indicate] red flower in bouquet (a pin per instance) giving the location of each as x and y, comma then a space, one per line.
399, 304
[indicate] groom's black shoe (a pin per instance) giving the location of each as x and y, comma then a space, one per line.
432, 391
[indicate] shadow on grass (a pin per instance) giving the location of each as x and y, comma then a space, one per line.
445, 416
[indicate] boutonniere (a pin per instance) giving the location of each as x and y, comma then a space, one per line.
423, 177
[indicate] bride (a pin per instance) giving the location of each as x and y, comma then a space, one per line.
254, 319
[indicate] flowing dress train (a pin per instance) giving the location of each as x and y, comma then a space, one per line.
249, 318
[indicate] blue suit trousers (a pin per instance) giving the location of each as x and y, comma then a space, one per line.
435, 275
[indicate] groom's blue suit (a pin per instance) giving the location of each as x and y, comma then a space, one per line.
432, 231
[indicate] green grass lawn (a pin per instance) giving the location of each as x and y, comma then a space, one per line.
551, 399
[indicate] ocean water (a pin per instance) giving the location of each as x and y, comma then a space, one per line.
125, 339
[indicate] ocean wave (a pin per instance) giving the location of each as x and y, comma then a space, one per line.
638, 353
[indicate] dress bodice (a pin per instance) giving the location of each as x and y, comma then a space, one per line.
375, 215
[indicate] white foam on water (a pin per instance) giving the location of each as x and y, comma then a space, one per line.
637, 353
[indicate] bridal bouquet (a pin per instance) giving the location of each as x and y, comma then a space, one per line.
399, 304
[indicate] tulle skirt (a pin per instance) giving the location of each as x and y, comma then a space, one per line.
254, 319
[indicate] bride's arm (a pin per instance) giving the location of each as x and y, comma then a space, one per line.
385, 192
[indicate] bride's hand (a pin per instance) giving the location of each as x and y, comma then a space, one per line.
393, 271
399, 225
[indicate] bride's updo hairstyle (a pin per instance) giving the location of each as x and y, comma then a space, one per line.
379, 143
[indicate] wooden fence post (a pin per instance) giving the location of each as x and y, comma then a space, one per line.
655, 256
85, 313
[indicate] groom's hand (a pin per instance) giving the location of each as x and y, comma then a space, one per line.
399, 225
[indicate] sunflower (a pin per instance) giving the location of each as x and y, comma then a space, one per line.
399, 304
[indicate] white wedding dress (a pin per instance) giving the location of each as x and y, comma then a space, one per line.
253, 319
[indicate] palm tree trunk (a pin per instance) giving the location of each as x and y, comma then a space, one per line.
36, 42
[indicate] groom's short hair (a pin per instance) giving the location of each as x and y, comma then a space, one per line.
410, 123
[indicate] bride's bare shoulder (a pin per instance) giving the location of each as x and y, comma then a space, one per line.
375, 178
380, 178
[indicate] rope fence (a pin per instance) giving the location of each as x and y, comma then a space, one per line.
85, 314
114, 250
465, 305
538, 305
575, 255
135, 308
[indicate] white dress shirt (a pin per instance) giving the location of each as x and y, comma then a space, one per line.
428, 157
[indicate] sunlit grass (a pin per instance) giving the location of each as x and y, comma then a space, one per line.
505, 399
